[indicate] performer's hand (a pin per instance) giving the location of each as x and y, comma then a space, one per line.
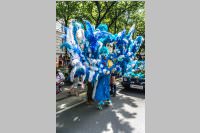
82, 86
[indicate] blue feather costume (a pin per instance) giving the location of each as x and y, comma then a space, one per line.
95, 49
102, 92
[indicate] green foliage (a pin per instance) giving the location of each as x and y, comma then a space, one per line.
118, 15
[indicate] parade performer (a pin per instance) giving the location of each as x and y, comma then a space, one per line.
91, 60
102, 94
72, 38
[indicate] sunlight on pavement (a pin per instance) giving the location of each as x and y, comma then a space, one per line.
62, 106
59, 125
76, 119
109, 128
127, 107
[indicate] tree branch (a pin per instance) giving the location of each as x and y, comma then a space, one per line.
107, 10
105, 7
91, 14
117, 15
98, 8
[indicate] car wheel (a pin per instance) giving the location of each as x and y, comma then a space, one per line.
123, 85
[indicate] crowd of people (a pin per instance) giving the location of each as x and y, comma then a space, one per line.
92, 62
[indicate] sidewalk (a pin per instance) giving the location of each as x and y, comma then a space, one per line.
64, 100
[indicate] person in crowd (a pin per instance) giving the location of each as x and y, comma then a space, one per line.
59, 80
89, 93
59, 76
113, 84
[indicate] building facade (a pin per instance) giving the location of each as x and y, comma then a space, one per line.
59, 52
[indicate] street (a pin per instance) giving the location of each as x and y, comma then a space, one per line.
126, 116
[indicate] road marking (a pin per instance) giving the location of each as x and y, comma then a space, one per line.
64, 109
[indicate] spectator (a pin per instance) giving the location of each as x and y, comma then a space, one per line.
59, 81
89, 93
113, 84
59, 76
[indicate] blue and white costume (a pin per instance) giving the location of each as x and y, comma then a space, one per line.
89, 55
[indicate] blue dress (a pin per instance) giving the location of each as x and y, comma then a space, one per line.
103, 88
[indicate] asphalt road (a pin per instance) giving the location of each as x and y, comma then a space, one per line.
126, 116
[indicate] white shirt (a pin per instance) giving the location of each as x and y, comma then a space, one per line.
59, 77
62, 75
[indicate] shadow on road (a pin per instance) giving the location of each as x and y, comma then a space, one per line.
87, 119
133, 92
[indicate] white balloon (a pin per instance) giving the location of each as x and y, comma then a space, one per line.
104, 71
80, 35
108, 72
101, 66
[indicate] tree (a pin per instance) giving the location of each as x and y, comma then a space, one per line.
66, 9
118, 15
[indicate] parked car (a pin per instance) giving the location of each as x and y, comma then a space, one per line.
134, 81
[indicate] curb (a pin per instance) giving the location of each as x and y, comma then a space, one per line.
65, 95
67, 108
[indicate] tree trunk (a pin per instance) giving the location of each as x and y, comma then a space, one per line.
115, 26
100, 19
